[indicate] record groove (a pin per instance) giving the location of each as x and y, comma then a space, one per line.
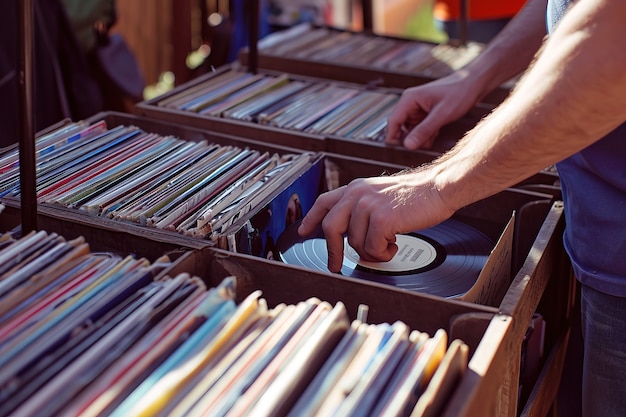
444, 260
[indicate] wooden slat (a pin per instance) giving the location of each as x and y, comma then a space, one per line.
480, 390
542, 398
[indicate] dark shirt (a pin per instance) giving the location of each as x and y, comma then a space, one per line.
594, 198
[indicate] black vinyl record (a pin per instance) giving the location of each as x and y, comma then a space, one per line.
444, 260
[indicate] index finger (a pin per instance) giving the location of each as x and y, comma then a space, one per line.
394, 128
334, 215
320, 209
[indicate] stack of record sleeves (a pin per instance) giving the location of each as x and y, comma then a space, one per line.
87, 334
127, 174
316, 107
357, 49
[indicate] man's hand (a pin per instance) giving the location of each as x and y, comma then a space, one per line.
371, 212
423, 110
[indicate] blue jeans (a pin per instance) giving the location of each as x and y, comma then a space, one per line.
603, 320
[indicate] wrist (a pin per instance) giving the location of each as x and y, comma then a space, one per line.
481, 79
452, 178
445, 185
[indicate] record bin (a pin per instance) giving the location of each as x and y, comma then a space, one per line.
352, 57
489, 216
277, 284
108, 234
489, 332
368, 149
495, 335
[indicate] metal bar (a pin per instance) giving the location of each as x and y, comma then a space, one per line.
28, 173
180, 35
463, 21
368, 16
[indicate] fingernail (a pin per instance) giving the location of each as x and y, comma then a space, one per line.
411, 143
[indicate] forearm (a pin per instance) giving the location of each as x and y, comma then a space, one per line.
572, 96
512, 51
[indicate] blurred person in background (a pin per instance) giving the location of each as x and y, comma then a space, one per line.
484, 18
111, 62
63, 85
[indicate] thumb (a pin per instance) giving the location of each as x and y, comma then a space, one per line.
422, 136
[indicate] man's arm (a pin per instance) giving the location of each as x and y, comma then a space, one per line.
512, 50
573, 95
424, 109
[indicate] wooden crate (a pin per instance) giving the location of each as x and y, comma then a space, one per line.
342, 69
544, 284
109, 234
368, 150
379, 152
494, 334
489, 386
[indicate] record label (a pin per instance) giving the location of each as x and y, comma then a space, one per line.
414, 254
444, 260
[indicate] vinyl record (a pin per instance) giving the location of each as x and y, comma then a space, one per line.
444, 260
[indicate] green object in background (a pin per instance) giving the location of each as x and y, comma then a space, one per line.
422, 25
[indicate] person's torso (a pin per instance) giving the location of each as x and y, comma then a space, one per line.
594, 193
